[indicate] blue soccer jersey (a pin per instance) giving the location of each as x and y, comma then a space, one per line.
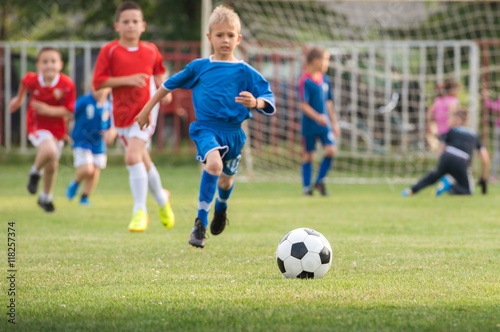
316, 94
91, 119
216, 84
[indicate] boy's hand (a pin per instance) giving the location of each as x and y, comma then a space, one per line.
110, 135
322, 120
41, 107
142, 119
138, 80
247, 99
14, 104
336, 131
68, 139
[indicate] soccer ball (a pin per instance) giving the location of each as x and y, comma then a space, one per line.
304, 253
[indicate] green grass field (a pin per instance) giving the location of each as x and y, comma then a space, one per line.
405, 264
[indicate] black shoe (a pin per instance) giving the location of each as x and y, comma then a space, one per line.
320, 186
308, 192
33, 183
197, 236
218, 223
48, 207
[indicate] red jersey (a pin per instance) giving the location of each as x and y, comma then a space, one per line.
61, 92
115, 60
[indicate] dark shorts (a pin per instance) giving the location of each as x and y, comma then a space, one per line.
309, 141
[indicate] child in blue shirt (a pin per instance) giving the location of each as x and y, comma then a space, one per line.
318, 118
225, 89
90, 135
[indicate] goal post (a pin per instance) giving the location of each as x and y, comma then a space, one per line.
384, 72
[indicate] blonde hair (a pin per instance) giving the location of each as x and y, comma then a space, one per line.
222, 14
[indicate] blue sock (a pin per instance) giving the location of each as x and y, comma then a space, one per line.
208, 186
306, 175
324, 168
221, 201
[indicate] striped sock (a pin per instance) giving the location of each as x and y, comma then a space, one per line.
221, 201
207, 191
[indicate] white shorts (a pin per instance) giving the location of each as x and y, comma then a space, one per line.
39, 136
85, 156
126, 133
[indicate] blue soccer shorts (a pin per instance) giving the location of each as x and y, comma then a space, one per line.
309, 141
229, 142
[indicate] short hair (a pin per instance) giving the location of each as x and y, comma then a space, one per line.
314, 53
126, 6
222, 14
462, 113
46, 49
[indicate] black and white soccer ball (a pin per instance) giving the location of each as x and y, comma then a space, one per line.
304, 253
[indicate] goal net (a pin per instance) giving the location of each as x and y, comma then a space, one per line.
386, 59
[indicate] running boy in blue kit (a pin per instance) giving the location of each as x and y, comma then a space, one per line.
318, 118
91, 133
225, 89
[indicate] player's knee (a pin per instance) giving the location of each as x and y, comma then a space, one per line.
52, 165
307, 157
89, 170
225, 182
132, 158
214, 167
214, 163
330, 151
50, 152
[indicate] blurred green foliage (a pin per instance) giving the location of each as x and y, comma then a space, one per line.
93, 19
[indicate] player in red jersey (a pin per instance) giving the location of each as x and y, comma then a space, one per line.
134, 69
52, 99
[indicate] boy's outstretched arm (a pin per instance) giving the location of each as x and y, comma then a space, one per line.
143, 117
159, 79
17, 101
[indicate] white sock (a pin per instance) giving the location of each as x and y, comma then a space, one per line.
155, 186
33, 170
45, 198
138, 179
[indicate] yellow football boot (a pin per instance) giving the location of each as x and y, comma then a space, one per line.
167, 216
139, 222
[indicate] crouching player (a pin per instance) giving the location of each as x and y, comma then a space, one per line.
459, 145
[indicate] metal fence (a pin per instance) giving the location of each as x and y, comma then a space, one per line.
367, 77
17, 58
